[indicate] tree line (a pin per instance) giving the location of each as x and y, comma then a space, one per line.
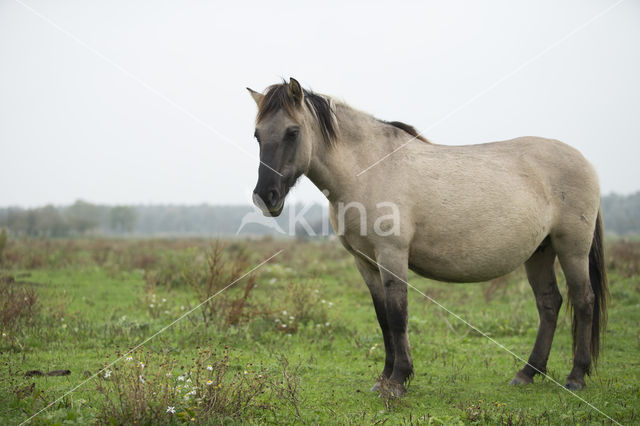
621, 215
83, 218
80, 218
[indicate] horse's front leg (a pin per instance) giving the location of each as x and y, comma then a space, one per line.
393, 267
371, 275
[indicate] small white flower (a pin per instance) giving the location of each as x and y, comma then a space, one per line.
141, 364
141, 378
107, 374
210, 367
181, 378
284, 325
323, 301
189, 380
326, 324
330, 304
164, 300
151, 305
277, 320
272, 281
246, 372
171, 410
209, 382
284, 313
129, 358
291, 317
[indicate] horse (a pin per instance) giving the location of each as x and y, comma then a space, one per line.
462, 214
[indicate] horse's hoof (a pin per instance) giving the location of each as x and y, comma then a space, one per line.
388, 389
521, 379
574, 384
396, 390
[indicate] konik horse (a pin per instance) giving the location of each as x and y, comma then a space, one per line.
461, 214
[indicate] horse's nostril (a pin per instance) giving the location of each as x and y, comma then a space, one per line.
272, 197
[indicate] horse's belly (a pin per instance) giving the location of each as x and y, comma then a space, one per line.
467, 260
464, 267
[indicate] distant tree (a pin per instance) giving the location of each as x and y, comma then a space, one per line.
15, 221
31, 221
621, 214
122, 219
82, 216
3, 242
49, 222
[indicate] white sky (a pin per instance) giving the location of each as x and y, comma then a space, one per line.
73, 125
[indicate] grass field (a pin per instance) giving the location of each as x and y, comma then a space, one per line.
295, 341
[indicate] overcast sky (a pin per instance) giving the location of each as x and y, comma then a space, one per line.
145, 101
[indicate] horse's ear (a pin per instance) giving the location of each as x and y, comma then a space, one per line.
295, 91
257, 96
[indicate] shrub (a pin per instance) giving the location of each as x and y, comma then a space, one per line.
152, 389
300, 305
624, 258
208, 279
18, 308
172, 267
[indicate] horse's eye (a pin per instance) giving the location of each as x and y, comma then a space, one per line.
292, 134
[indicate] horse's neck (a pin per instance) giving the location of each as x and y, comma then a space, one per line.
360, 143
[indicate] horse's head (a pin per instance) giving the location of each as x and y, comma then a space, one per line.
285, 133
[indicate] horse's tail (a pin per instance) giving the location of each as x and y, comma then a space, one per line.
600, 287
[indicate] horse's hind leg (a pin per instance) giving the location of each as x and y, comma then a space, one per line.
576, 271
371, 276
542, 277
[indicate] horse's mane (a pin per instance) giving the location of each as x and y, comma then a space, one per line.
407, 128
277, 97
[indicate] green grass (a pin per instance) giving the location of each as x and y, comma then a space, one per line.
93, 303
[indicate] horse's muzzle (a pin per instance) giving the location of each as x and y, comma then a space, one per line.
271, 204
